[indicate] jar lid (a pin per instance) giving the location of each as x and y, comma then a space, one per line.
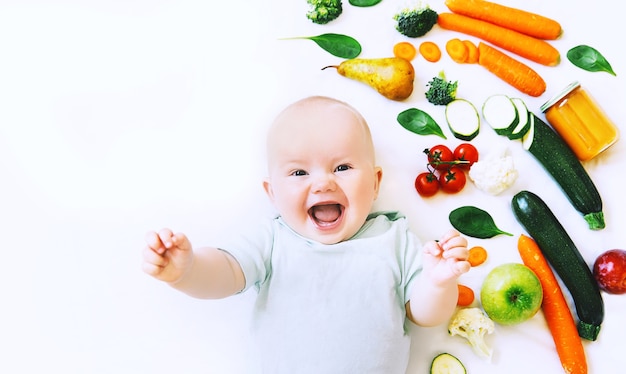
571, 87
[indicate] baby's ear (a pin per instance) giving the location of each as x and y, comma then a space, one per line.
378, 178
267, 186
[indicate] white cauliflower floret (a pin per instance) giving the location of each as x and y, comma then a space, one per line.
495, 173
472, 324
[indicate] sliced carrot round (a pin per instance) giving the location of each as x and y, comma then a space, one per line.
404, 50
477, 255
457, 50
466, 296
430, 51
472, 52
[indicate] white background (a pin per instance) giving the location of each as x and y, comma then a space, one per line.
119, 117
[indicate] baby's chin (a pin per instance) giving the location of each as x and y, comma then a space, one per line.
327, 239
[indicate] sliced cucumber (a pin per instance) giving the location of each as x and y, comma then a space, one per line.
463, 119
446, 363
501, 114
524, 119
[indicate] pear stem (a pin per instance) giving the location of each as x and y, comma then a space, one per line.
329, 66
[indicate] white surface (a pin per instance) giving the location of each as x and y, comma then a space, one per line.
118, 117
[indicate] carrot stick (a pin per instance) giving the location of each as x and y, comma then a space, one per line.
430, 51
477, 256
404, 50
528, 23
457, 50
555, 309
511, 70
466, 295
472, 52
534, 49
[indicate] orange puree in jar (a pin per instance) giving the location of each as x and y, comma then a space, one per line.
580, 121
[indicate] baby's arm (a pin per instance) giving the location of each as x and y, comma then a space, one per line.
207, 273
435, 294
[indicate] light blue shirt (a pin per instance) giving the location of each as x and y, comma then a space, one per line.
336, 308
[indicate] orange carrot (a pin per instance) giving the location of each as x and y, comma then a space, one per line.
528, 23
472, 52
534, 49
457, 50
466, 296
404, 50
477, 256
555, 309
511, 70
430, 51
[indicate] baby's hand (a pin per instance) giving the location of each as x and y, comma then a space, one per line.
167, 256
446, 259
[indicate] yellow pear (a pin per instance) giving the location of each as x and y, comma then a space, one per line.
392, 77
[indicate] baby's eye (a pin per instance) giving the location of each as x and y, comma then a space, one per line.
298, 173
343, 167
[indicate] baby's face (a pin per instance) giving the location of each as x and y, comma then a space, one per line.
322, 174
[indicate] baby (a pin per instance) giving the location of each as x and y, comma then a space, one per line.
335, 281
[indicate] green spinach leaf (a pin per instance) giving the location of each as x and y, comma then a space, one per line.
339, 45
419, 122
475, 222
588, 58
364, 3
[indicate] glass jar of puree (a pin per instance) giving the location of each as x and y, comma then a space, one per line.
578, 119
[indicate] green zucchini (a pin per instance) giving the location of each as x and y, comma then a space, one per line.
559, 249
563, 165
501, 114
524, 120
463, 119
445, 363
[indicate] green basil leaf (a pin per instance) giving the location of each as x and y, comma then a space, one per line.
419, 122
588, 58
475, 222
364, 3
339, 45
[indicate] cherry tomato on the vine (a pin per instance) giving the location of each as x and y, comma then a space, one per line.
427, 184
466, 152
439, 156
452, 180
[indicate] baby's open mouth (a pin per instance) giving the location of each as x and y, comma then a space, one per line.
326, 214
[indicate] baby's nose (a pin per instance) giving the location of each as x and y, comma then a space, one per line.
324, 183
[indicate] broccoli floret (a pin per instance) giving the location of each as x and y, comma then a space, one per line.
440, 91
416, 21
323, 11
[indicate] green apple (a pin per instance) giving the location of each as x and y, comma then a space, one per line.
511, 294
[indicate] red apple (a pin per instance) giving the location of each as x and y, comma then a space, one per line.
610, 271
